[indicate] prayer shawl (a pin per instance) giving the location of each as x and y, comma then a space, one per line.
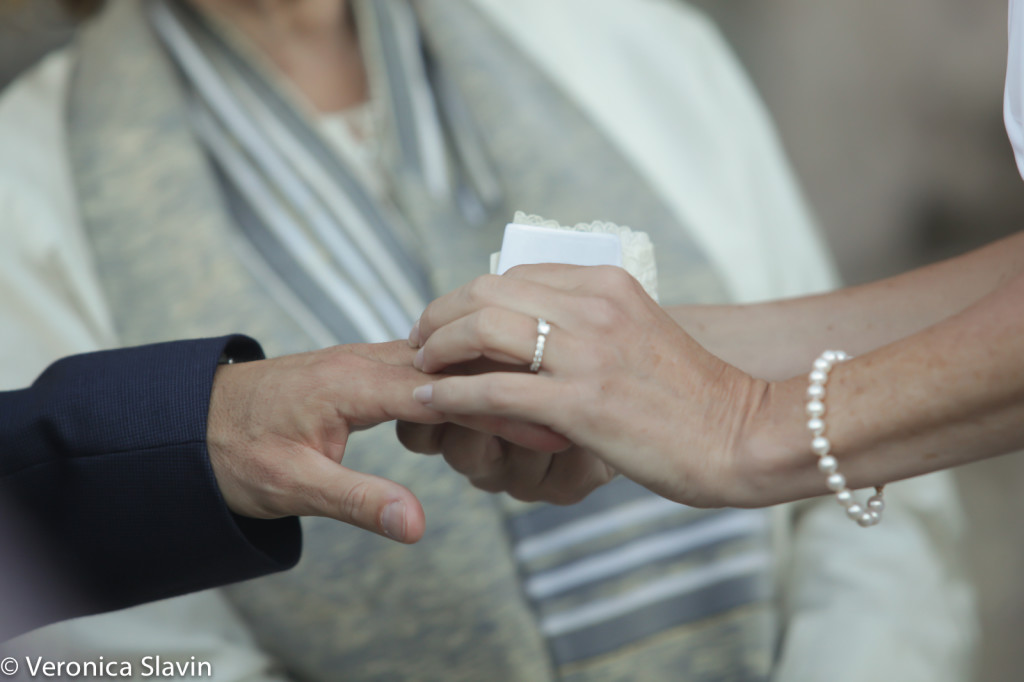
212, 206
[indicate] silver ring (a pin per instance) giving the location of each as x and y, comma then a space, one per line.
538, 352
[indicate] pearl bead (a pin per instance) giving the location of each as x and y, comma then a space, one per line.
869, 514
828, 464
815, 408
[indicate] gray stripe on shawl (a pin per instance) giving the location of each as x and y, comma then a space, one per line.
349, 185
606, 636
543, 518
645, 551
285, 267
362, 263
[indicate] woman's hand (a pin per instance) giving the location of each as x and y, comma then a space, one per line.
619, 378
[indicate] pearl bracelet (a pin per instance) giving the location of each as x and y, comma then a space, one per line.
820, 445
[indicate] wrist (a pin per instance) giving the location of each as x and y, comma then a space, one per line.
773, 461
229, 431
220, 434
750, 468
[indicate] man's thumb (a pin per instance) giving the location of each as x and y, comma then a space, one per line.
369, 502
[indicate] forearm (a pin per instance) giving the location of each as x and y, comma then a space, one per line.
778, 339
947, 395
621, 380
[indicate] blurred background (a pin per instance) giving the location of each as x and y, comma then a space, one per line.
892, 116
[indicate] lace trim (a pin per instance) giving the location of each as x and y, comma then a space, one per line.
637, 249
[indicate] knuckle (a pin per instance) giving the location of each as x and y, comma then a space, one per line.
354, 501
474, 458
520, 271
488, 485
486, 325
525, 493
407, 435
426, 320
460, 460
480, 289
596, 476
631, 290
419, 438
613, 279
602, 313
565, 497
575, 478
618, 285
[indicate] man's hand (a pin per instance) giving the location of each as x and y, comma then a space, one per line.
277, 432
495, 464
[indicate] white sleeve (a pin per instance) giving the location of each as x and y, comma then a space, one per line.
50, 301
892, 600
52, 305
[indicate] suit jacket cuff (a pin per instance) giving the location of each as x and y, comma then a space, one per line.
111, 466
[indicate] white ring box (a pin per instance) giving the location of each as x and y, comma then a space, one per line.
529, 244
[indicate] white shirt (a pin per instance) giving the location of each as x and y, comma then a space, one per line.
1013, 97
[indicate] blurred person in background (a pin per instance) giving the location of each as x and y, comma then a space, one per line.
312, 173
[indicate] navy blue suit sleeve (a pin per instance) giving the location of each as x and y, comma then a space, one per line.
105, 456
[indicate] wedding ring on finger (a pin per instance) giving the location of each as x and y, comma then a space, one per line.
543, 328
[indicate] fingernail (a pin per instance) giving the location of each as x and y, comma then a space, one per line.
392, 520
414, 335
417, 362
424, 394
